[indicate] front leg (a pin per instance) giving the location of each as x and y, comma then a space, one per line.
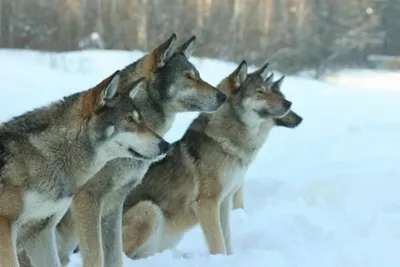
42, 249
8, 241
207, 212
225, 212
111, 229
24, 260
86, 208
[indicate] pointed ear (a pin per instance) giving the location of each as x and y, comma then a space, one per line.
109, 91
136, 86
269, 79
232, 83
240, 74
164, 51
188, 47
277, 84
262, 72
97, 97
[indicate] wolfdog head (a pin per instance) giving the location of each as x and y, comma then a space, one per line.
117, 125
255, 97
175, 83
291, 119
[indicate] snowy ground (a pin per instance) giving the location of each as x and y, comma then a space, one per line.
324, 194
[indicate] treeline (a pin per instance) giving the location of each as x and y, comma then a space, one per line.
295, 34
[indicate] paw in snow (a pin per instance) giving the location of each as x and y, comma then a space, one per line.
187, 255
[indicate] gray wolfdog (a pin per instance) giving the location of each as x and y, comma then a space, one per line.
48, 153
172, 85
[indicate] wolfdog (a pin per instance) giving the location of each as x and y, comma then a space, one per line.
290, 121
195, 182
172, 85
48, 153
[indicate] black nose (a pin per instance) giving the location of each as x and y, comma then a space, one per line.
221, 97
287, 104
299, 120
164, 147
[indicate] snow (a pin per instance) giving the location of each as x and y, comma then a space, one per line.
323, 194
365, 78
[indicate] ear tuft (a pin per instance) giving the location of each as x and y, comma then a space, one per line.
240, 74
107, 93
112, 87
233, 82
136, 86
97, 97
164, 52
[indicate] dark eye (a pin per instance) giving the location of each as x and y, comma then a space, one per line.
129, 119
188, 76
260, 90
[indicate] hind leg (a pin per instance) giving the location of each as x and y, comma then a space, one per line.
142, 230
238, 198
67, 239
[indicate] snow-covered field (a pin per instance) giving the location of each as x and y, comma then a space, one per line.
324, 194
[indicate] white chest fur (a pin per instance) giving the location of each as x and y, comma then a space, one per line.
231, 179
38, 206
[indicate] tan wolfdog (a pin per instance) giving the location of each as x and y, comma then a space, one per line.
196, 181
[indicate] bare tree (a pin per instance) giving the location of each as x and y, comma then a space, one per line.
295, 34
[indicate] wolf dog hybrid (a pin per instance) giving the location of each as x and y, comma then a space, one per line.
196, 181
48, 153
172, 85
